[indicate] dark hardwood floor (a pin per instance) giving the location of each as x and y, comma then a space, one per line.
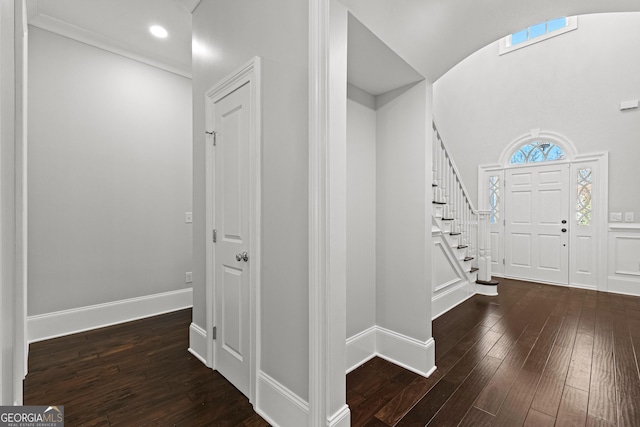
536, 355
134, 374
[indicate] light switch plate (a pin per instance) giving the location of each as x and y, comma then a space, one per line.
628, 217
615, 216
188, 217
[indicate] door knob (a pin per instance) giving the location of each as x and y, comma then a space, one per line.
564, 230
244, 256
564, 221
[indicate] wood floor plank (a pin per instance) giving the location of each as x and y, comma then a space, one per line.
454, 410
393, 411
429, 405
538, 419
573, 407
477, 418
515, 408
579, 372
602, 390
626, 368
597, 422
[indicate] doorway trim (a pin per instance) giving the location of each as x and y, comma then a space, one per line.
250, 74
598, 160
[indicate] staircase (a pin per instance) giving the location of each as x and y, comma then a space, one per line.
462, 232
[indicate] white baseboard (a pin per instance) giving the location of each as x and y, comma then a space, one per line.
51, 325
361, 348
278, 405
342, 418
454, 296
624, 286
412, 354
198, 343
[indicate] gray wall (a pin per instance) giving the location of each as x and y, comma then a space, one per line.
403, 233
109, 176
571, 84
361, 213
232, 32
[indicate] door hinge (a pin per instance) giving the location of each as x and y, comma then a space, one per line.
213, 136
214, 332
502, 261
504, 222
215, 235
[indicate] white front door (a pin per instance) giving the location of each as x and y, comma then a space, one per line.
537, 223
232, 124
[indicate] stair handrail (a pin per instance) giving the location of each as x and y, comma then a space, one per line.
455, 168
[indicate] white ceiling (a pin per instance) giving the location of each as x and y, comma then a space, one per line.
122, 26
372, 65
430, 35
434, 35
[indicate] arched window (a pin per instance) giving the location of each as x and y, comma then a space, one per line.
537, 151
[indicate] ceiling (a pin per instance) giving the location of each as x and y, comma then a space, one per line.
122, 26
430, 35
372, 65
434, 35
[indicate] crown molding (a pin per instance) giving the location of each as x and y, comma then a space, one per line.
57, 26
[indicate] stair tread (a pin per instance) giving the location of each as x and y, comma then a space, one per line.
448, 219
461, 246
439, 203
474, 269
434, 185
469, 258
490, 282
455, 234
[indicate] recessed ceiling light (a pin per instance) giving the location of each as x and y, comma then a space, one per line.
158, 31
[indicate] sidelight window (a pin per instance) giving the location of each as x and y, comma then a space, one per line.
583, 202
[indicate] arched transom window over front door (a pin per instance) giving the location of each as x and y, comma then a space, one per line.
536, 152
538, 147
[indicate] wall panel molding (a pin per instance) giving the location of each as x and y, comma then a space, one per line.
624, 259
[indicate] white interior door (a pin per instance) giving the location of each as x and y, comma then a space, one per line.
232, 124
537, 223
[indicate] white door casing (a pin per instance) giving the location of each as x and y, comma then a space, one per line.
536, 238
587, 250
233, 214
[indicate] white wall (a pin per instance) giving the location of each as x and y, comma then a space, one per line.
571, 84
403, 247
231, 33
361, 213
13, 62
7, 202
109, 176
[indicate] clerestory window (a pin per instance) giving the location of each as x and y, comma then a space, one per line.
537, 33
